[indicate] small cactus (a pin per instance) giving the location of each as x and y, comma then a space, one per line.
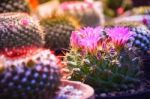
19, 30
140, 38
58, 30
85, 11
100, 58
33, 76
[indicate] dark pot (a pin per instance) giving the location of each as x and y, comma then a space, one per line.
141, 95
146, 66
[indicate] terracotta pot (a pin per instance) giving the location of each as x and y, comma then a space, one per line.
88, 91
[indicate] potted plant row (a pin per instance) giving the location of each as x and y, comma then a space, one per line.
27, 70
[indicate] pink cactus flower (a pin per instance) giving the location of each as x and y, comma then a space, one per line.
75, 39
119, 35
86, 39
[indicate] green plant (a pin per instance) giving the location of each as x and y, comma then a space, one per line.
100, 58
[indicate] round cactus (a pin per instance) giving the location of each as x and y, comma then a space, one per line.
58, 30
14, 6
18, 30
86, 12
34, 76
140, 38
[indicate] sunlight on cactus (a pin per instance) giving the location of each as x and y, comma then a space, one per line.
95, 59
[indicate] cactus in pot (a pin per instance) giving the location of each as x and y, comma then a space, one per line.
99, 57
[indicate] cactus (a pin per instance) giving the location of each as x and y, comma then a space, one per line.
33, 76
14, 6
99, 57
58, 30
18, 30
140, 38
85, 11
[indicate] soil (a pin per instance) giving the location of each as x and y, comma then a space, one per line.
144, 87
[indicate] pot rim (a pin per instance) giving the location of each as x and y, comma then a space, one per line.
87, 90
